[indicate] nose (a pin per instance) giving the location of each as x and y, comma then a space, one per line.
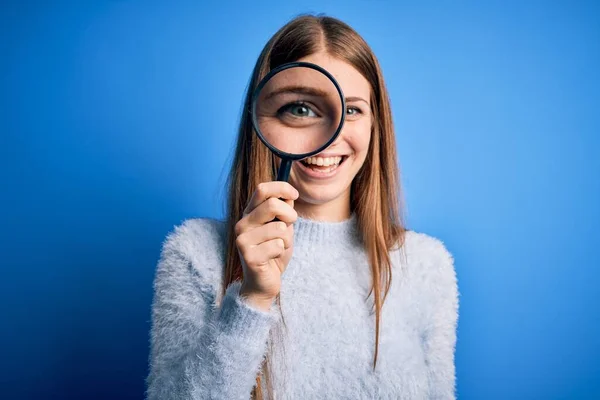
341, 138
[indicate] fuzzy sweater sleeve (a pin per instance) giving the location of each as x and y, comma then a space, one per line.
198, 349
439, 336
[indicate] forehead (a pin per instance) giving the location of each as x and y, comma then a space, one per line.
352, 82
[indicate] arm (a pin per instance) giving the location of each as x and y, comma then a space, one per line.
200, 350
439, 336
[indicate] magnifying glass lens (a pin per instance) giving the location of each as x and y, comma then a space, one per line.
298, 110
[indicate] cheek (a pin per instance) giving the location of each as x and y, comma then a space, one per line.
359, 136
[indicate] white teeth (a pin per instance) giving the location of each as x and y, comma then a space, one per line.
323, 161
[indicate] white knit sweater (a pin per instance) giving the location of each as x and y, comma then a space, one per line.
204, 346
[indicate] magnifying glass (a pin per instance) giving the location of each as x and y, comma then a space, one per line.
297, 111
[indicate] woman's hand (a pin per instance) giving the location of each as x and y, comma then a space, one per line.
265, 246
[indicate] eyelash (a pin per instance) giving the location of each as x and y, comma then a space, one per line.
358, 110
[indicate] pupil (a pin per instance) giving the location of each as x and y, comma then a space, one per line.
301, 110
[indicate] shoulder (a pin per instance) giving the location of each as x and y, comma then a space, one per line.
428, 259
196, 236
427, 248
195, 246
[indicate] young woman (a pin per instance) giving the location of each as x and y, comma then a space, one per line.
305, 307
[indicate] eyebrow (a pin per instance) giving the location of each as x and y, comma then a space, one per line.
308, 90
297, 89
356, 98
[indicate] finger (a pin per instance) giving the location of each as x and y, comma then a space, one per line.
288, 201
265, 213
260, 255
266, 232
266, 190
270, 209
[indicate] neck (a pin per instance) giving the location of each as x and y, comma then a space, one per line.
336, 210
311, 232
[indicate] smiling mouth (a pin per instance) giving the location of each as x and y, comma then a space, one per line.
323, 165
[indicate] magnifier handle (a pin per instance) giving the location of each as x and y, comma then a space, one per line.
284, 170
283, 174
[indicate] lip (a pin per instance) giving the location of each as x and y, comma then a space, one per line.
320, 175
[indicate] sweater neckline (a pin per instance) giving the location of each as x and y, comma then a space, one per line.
326, 232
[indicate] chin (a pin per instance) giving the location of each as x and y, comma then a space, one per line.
319, 195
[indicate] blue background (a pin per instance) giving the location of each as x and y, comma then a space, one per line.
117, 122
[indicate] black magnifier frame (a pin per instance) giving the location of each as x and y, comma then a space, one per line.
287, 158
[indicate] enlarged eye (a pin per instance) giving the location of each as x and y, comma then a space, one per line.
299, 110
